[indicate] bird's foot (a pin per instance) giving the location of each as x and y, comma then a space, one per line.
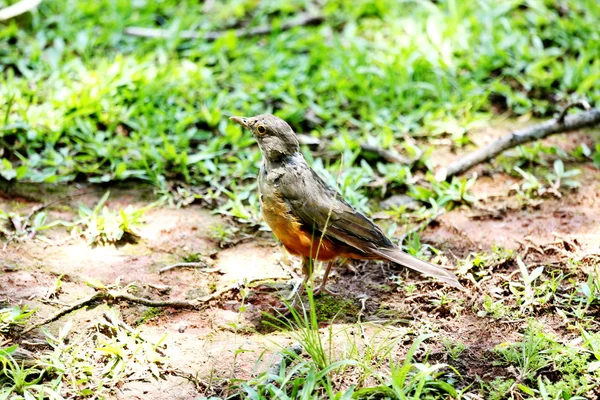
323, 289
295, 294
297, 291
286, 308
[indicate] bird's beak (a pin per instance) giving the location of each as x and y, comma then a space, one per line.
243, 121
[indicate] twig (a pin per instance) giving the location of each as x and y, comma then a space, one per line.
194, 303
18, 9
157, 33
561, 124
420, 227
117, 295
387, 155
198, 264
198, 383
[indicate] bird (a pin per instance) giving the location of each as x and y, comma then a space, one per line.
309, 217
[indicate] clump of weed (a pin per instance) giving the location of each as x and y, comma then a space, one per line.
148, 314
12, 317
101, 225
225, 235
192, 258
330, 307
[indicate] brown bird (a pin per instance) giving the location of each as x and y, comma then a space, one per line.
310, 218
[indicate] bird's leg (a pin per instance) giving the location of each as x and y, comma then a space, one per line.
323, 288
307, 269
296, 290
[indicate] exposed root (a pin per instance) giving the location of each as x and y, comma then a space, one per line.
122, 295
76, 306
584, 105
112, 295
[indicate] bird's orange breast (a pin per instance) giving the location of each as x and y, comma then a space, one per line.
288, 228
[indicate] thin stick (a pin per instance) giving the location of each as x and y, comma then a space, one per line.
584, 105
157, 33
563, 123
198, 383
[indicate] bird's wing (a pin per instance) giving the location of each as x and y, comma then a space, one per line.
323, 211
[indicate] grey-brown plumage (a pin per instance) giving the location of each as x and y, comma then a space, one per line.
308, 216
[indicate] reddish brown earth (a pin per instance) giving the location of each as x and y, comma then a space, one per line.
208, 342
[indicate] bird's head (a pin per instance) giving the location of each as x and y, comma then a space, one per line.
275, 137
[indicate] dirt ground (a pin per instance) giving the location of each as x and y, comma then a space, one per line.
207, 343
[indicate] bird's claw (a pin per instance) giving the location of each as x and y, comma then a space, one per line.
323, 289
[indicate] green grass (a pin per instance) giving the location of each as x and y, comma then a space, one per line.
85, 365
98, 225
101, 225
538, 358
319, 375
11, 317
79, 100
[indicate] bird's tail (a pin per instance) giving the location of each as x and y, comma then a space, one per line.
398, 256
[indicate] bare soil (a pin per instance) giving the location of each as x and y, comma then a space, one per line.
207, 343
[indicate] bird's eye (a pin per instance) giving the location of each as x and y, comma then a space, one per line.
261, 129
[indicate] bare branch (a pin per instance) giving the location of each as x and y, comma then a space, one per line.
124, 296
584, 105
561, 124
18, 9
157, 33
